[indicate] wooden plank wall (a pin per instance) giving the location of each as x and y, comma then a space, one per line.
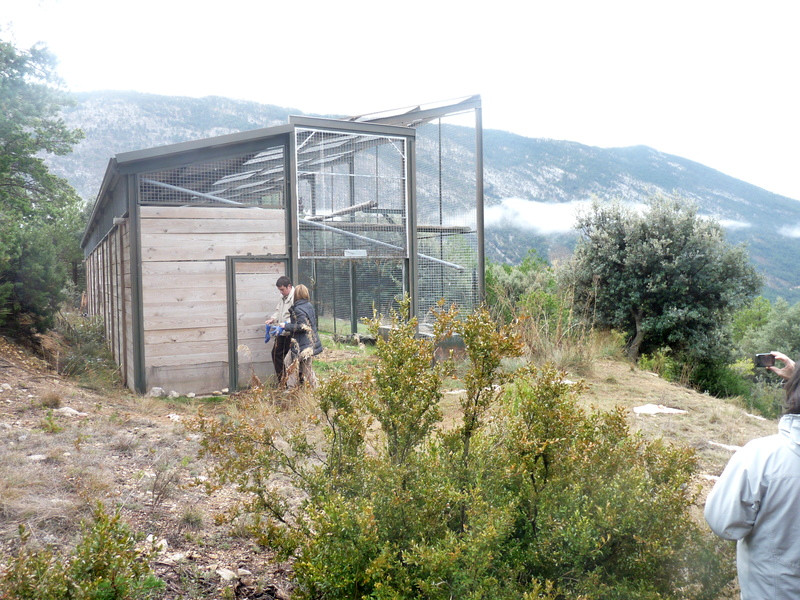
125, 318
184, 288
108, 294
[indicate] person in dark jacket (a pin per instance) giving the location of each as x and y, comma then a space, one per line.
305, 339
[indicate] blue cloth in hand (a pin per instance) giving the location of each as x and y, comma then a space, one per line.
272, 331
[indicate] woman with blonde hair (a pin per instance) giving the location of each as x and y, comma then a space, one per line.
305, 339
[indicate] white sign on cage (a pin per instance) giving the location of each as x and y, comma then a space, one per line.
360, 252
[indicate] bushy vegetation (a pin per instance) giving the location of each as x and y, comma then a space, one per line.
527, 496
761, 326
40, 214
561, 317
553, 326
106, 564
664, 276
85, 357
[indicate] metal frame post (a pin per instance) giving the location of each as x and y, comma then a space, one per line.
411, 225
293, 227
479, 202
137, 296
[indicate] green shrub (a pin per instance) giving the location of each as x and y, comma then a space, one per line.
753, 317
87, 357
714, 377
105, 565
720, 380
765, 398
506, 284
780, 331
603, 508
554, 328
526, 497
665, 365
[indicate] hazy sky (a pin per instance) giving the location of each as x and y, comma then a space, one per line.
712, 81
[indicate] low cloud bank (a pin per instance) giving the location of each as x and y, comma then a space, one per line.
790, 231
732, 224
554, 217
543, 217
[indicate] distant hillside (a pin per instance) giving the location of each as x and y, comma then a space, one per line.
531, 184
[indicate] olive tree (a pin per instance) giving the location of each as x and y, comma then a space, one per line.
664, 275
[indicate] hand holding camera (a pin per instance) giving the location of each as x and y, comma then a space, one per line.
767, 360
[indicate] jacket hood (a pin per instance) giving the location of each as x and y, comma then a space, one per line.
789, 427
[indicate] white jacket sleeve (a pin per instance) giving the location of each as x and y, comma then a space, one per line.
732, 506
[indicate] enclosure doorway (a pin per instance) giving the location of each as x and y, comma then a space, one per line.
252, 296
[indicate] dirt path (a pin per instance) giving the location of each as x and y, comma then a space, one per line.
62, 448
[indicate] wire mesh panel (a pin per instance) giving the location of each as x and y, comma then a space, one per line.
345, 292
352, 195
352, 224
252, 179
446, 215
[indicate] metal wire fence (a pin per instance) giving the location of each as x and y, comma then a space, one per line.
351, 193
252, 179
352, 224
446, 215
345, 292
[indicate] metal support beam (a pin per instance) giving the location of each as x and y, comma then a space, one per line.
137, 302
353, 297
292, 227
183, 190
411, 228
479, 202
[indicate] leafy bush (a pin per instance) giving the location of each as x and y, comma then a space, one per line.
105, 565
526, 497
719, 379
751, 318
553, 327
780, 331
507, 284
86, 356
766, 399
665, 365
667, 277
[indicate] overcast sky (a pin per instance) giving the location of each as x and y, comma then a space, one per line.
713, 81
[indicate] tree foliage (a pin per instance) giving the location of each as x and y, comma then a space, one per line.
39, 212
525, 496
508, 286
665, 276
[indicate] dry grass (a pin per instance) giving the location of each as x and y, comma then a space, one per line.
709, 419
135, 452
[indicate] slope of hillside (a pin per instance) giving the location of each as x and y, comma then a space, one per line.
64, 446
543, 172
531, 184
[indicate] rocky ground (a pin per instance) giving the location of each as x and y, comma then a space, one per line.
64, 447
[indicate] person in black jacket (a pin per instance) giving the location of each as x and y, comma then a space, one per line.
305, 339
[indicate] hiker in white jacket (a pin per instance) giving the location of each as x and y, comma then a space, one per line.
756, 502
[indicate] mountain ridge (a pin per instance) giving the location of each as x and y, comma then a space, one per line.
532, 185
